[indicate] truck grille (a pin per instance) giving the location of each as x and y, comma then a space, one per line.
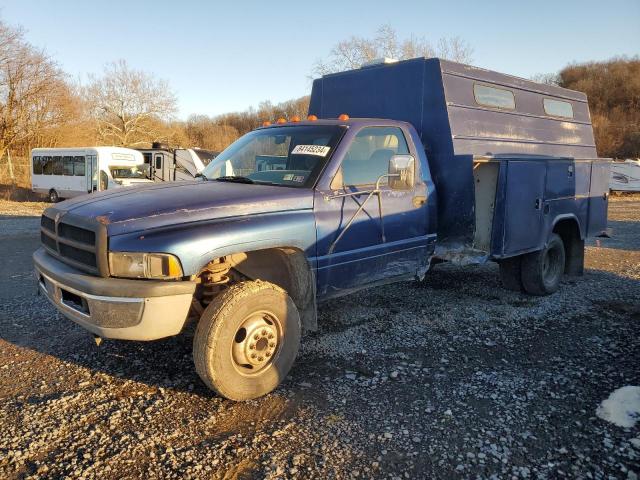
78, 234
48, 223
47, 241
77, 255
73, 244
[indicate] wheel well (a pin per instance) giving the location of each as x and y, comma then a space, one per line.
569, 232
286, 267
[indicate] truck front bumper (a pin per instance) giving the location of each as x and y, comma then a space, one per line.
112, 307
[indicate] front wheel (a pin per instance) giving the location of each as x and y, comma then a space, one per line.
542, 271
53, 196
247, 340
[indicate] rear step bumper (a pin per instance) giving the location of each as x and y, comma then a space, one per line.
606, 233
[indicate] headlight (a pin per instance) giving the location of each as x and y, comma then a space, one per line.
144, 265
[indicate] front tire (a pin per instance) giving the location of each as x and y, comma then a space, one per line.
247, 340
542, 270
53, 196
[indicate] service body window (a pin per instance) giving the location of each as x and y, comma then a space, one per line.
494, 97
558, 108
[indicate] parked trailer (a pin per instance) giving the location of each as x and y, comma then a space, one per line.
625, 175
68, 172
175, 164
442, 161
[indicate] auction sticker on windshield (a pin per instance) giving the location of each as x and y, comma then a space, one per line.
319, 150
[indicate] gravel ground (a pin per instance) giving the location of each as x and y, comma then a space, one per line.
453, 377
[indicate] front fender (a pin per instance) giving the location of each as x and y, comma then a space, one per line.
196, 244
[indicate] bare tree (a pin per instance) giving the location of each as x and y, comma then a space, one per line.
129, 105
353, 52
34, 95
546, 78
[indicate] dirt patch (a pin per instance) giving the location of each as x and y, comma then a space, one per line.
25, 209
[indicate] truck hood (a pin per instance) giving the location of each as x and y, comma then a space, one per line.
132, 209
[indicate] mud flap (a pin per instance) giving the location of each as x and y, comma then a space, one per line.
574, 263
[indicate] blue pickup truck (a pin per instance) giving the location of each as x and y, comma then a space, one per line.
398, 166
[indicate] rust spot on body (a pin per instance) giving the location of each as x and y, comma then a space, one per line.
103, 219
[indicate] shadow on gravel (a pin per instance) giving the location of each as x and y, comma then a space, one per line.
624, 236
20, 217
35, 325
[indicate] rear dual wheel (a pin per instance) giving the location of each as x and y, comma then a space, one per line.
247, 340
537, 273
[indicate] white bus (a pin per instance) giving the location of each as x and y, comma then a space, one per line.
67, 172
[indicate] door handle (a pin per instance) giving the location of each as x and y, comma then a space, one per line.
419, 201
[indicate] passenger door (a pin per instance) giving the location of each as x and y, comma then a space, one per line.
362, 256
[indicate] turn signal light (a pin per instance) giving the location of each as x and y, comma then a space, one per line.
344, 117
281, 120
266, 124
295, 118
312, 118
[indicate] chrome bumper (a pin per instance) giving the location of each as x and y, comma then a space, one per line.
148, 311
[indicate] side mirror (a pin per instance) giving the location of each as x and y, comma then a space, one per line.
402, 172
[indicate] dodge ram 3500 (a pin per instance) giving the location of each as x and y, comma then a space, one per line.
398, 165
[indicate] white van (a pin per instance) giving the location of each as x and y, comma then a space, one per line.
67, 172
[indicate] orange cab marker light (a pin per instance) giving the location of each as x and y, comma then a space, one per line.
281, 120
266, 124
344, 117
312, 118
295, 118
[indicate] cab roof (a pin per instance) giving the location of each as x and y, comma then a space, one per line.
351, 122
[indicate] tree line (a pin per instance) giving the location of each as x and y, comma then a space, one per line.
41, 107
613, 89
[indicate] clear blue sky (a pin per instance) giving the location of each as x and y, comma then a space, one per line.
227, 56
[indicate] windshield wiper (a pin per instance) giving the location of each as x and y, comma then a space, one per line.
234, 178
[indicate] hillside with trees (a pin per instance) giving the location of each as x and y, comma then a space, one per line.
613, 89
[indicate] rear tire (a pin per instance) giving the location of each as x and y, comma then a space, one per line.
542, 270
53, 196
511, 273
247, 340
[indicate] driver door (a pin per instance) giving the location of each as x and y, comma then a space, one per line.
362, 256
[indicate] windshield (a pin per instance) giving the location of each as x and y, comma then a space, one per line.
135, 171
287, 156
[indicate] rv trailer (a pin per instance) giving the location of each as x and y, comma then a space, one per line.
625, 175
175, 164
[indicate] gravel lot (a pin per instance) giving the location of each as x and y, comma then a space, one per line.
454, 377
